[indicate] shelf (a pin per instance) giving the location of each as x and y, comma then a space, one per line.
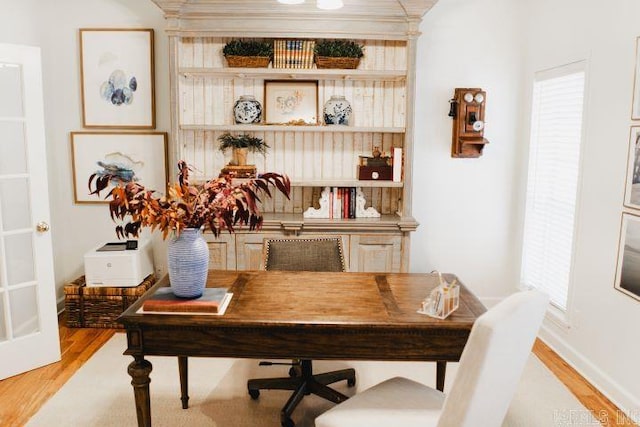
321, 182
345, 183
295, 222
296, 74
287, 128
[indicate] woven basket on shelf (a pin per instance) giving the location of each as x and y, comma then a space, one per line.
248, 61
337, 62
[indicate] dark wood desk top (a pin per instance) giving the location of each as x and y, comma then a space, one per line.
302, 315
270, 298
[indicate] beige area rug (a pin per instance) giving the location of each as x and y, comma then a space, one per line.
100, 394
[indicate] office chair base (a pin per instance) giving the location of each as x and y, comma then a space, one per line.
305, 384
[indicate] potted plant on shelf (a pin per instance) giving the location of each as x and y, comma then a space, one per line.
240, 146
248, 53
338, 54
185, 211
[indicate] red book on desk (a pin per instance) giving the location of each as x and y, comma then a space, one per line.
163, 300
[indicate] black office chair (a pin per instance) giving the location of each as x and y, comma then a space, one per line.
303, 254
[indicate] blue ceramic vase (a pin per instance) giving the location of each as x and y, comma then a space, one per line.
337, 111
188, 263
247, 110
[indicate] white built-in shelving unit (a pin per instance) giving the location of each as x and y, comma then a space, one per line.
381, 92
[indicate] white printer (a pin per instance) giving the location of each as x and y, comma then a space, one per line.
118, 264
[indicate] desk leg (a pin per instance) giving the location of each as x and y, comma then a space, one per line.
441, 370
139, 370
183, 367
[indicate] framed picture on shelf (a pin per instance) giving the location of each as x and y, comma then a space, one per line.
117, 78
139, 157
632, 187
291, 102
635, 108
628, 267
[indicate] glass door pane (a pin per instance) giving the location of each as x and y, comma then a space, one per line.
15, 207
19, 259
11, 90
13, 156
3, 326
24, 321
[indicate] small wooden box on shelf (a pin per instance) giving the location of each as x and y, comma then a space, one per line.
99, 307
375, 168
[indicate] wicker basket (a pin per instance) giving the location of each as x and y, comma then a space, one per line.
99, 307
248, 61
337, 62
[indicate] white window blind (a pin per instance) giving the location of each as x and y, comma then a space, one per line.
554, 160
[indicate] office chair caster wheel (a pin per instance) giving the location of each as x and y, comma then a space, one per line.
288, 422
254, 394
351, 382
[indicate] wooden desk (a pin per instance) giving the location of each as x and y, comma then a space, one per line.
302, 315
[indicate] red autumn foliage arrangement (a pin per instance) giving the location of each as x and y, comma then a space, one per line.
217, 204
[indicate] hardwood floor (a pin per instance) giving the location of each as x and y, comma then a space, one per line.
23, 395
601, 407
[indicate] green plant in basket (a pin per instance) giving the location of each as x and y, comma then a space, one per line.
242, 141
338, 49
248, 48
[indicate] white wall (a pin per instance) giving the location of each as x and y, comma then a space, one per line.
471, 211
602, 341
53, 26
465, 206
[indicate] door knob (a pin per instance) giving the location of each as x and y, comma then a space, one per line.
42, 227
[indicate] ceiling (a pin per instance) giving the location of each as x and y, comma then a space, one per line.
385, 19
382, 8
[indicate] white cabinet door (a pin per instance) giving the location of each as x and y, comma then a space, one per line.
249, 249
222, 251
28, 321
373, 253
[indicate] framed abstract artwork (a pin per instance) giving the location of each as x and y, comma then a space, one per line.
291, 102
632, 187
628, 268
139, 157
117, 78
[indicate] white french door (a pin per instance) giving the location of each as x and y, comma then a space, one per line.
28, 321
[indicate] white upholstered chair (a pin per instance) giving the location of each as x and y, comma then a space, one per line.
490, 368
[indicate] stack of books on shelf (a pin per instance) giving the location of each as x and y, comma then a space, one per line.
293, 53
213, 301
240, 171
342, 202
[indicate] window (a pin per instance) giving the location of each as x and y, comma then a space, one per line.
554, 166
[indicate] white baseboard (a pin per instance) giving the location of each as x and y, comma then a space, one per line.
628, 403
60, 305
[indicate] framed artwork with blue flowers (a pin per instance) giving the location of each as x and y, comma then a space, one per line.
117, 78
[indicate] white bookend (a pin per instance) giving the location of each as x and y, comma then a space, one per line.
397, 164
